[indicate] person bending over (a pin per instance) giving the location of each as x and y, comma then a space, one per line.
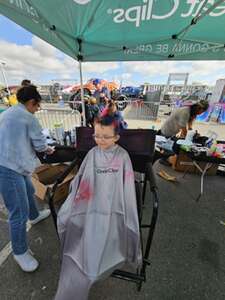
181, 119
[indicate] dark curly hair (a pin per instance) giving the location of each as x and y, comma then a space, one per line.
26, 93
25, 82
202, 106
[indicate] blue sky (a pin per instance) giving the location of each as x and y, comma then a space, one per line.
13, 33
26, 56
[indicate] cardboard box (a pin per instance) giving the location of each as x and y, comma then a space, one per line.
45, 176
182, 163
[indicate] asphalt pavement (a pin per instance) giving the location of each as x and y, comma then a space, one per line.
187, 255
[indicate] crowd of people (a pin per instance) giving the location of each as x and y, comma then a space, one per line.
95, 107
9, 98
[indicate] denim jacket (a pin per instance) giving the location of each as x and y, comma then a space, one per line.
20, 136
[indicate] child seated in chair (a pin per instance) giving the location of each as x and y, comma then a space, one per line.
98, 223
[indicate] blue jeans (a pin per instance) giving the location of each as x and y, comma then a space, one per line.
18, 195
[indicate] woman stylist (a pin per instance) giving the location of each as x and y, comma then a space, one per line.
178, 124
20, 136
182, 118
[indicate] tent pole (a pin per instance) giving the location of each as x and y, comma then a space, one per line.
82, 93
80, 59
2, 63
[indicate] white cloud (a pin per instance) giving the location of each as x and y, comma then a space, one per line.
126, 75
43, 47
41, 62
202, 71
36, 62
125, 79
148, 68
100, 67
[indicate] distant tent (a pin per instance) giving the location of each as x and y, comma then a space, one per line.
216, 113
222, 115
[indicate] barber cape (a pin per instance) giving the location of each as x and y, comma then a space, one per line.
98, 223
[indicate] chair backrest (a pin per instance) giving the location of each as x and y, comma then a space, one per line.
139, 143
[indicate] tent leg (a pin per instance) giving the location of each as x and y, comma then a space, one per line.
82, 93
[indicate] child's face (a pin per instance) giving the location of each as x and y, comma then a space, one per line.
105, 136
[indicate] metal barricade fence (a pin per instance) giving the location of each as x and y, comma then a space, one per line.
141, 110
50, 116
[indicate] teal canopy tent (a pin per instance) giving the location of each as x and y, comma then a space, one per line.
97, 30
131, 30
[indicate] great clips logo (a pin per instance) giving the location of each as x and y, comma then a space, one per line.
146, 11
82, 2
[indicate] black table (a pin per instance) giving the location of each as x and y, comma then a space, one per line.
196, 158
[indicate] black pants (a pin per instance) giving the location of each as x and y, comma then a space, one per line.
166, 153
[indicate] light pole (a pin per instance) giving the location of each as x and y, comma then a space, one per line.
2, 64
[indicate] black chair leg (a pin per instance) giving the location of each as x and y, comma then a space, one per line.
50, 200
144, 189
139, 200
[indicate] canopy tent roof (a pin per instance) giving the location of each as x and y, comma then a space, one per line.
131, 30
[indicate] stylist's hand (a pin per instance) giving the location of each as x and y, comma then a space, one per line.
50, 150
180, 135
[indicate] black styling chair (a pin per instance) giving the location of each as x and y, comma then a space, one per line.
140, 144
